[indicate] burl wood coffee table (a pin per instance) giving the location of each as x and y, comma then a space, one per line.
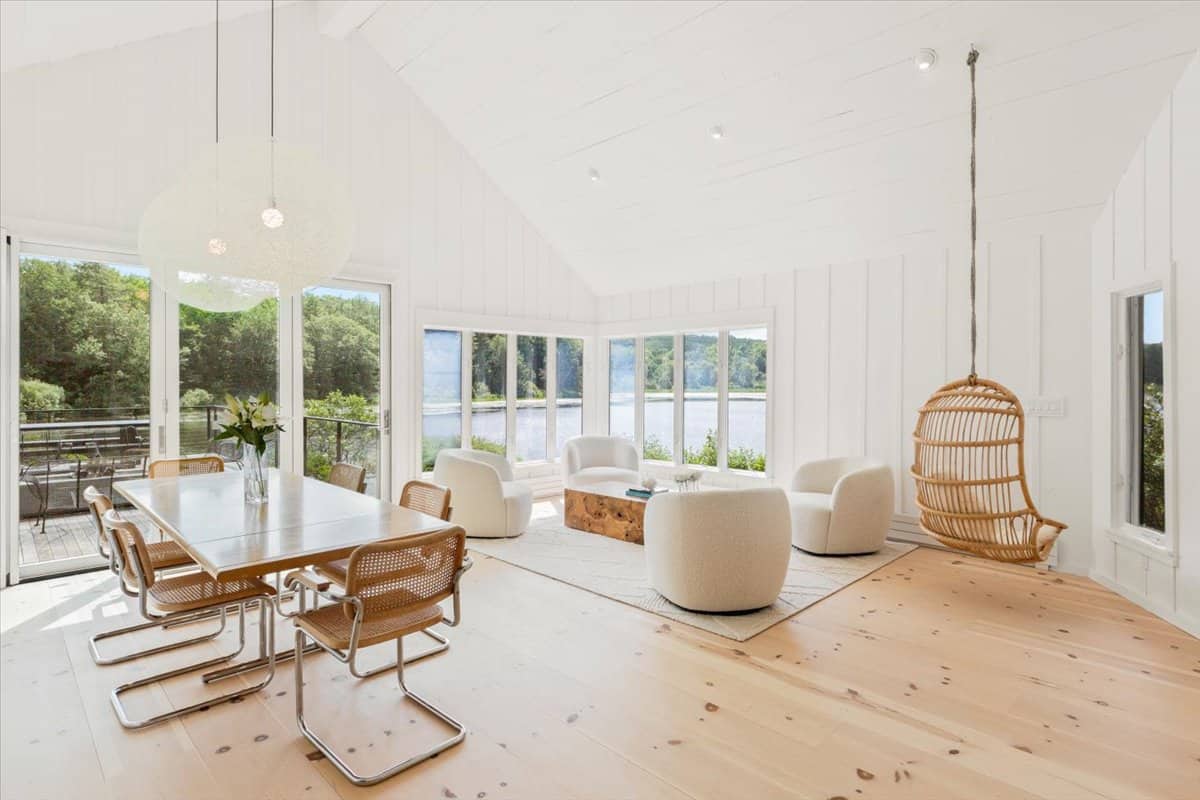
604, 508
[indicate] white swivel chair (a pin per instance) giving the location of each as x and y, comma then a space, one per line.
598, 459
841, 506
488, 501
718, 551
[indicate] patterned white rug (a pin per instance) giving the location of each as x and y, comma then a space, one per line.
617, 570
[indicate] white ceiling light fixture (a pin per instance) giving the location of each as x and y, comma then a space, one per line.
594, 175
925, 59
717, 133
218, 236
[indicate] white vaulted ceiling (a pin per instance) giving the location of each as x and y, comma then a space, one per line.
835, 146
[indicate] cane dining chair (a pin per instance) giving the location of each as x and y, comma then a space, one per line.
188, 465
428, 498
181, 598
393, 588
163, 556
349, 476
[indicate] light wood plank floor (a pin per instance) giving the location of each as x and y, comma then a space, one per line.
939, 676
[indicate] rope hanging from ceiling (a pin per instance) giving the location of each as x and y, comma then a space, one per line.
969, 453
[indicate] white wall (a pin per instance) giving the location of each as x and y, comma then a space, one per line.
858, 347
1149, 231
86, 143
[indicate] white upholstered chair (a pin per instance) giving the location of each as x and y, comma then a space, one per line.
597, 459
718, 551
841, 506
488, 502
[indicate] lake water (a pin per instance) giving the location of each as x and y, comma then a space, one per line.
747, 428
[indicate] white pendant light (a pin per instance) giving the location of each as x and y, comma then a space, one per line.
246, 217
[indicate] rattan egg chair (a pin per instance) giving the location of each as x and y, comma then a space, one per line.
969, 455
969, 467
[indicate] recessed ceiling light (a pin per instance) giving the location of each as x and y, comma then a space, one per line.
593, 175
716, 132
925, 60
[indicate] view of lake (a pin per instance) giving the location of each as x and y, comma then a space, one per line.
747, 417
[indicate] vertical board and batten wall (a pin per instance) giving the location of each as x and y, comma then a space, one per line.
858, 347
1149, 233
87, 142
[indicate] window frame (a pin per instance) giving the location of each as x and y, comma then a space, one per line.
723, 327
467, 331
1159, 545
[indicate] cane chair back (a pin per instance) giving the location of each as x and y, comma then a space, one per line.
403, 575
189, 465
349, 476
133, 546
98, 504
969, 467
426, 497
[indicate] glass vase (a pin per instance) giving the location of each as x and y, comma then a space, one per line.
254, 474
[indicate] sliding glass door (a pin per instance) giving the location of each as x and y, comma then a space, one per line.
342, 353
220, 353
83, 403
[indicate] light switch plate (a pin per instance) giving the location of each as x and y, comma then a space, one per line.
1047, 405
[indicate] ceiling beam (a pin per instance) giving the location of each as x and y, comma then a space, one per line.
337, 18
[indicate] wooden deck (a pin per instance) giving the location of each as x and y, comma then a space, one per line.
65, 537
939, 676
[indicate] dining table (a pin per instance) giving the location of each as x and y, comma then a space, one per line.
304, 521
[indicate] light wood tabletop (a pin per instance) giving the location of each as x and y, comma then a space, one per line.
304, 521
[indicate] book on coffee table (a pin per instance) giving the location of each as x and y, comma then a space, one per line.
644, 494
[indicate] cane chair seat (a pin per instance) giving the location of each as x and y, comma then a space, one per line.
331, 626
200, 590
164, 555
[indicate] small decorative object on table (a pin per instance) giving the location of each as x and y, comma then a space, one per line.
250, 423
649, 482
687, 480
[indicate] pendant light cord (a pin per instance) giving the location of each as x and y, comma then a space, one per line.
217, 74
972, 57
273, 70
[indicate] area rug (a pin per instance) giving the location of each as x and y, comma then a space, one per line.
617, 570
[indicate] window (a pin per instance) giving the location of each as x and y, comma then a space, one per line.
702, 399
568, 371
700, 365
748, 400
531, 398
659, 414
342, 369
1146, 467
220, 353
441, 407
546, 372
489, 403
621, 371
84, 398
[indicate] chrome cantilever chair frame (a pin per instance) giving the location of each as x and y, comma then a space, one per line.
266, 644
116, 565
323, 588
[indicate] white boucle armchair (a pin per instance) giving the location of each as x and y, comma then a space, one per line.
841, 506
597, 459
718, 551
488, 501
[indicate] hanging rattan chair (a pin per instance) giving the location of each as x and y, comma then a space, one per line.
969, 467
969, 455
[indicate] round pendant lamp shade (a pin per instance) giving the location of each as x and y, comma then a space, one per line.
248, 216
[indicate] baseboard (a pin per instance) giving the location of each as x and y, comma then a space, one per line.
1185, 622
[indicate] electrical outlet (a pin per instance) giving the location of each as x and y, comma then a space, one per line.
1047, 405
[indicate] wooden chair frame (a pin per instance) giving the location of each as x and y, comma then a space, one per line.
187, 465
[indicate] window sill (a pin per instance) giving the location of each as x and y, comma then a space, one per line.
1151, 544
